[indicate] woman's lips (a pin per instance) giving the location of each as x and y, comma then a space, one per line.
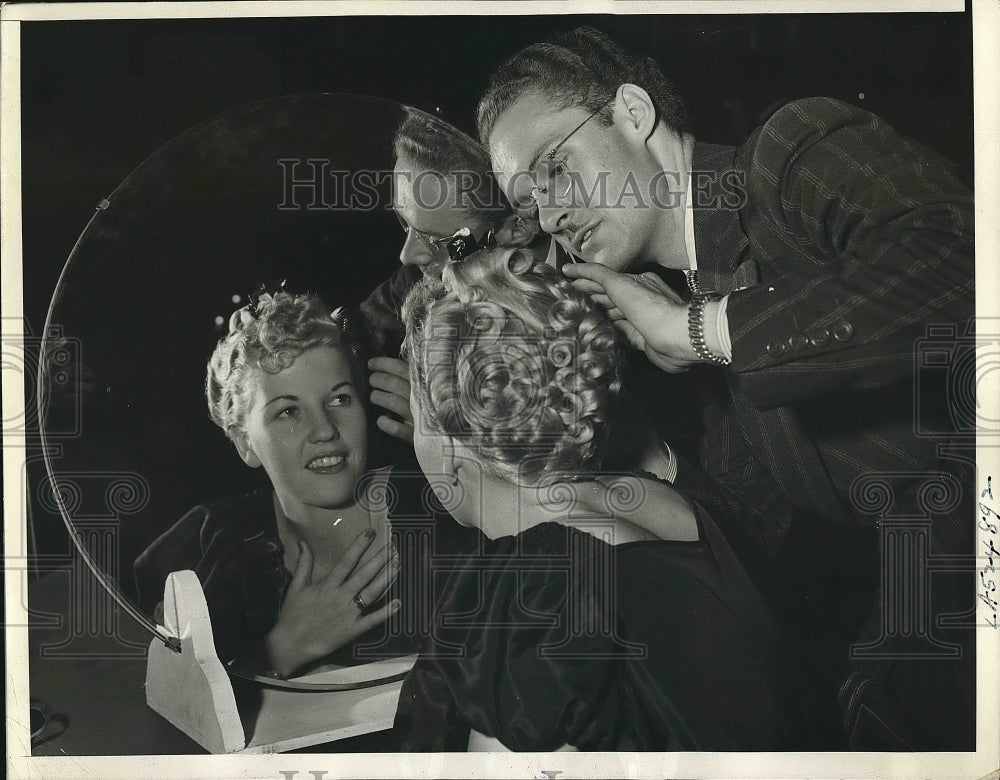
327, 464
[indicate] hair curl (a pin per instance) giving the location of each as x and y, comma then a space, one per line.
582, 68
513, 361
283, 327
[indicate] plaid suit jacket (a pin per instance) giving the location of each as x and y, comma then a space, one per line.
839, 242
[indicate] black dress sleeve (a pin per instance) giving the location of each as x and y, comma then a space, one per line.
231, 546
176, 549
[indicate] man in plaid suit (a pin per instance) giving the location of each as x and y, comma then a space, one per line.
817, 253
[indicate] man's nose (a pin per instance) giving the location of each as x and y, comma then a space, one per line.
552, 217
414, 251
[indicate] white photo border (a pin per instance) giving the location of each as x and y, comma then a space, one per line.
985, 762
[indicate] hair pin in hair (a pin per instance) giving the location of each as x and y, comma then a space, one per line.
264, 292
356, 336
462, 244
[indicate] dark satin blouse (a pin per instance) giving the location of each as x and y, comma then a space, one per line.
234, 548
555, 638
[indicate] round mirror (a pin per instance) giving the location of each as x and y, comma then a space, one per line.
296, 189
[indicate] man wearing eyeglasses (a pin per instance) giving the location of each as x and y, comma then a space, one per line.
448, 206
816, 255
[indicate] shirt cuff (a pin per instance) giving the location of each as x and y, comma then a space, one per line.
716, 325
722, 326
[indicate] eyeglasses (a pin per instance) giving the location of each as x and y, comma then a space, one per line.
551, 175
459, 244
434, 243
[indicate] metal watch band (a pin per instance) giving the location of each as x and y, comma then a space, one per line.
696, 327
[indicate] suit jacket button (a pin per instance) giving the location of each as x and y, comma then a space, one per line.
798, 342
776, 348
819, 337
843, 331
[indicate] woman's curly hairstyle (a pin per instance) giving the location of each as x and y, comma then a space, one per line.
509, 358
269, 336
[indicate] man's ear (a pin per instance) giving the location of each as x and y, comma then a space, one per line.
243, 447
635, 111
518, 230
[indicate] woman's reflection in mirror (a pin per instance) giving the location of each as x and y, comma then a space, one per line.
313, 569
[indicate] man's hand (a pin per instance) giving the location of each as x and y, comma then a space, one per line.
390, 382
651, 315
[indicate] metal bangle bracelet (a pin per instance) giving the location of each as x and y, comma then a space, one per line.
696, 327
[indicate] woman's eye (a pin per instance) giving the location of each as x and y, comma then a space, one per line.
342, 399
289, 412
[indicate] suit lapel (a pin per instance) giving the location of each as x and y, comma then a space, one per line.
721, 246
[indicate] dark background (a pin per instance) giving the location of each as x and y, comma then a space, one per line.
99, 98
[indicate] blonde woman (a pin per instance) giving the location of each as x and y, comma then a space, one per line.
317, 569
576, 627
